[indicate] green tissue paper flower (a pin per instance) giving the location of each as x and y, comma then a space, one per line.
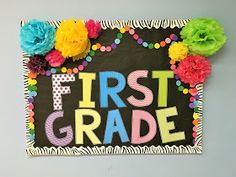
203, 36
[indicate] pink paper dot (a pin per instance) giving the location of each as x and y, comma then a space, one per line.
103, 49
194, 134
108, 48
81, 67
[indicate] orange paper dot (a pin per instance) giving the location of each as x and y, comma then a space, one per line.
195, 122
172, 62
127, 28
69, 71
162, 43
98, 45
32, 75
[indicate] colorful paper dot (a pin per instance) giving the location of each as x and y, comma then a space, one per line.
127, 28
53, 70
178, 82
81, 67
135, 36
103, 49
113, 45
119, 35
48, 73
194, 134
196, 109
150, 46
157, 46
145, 44
195, 121
162, 43
30, 99
32, 75
185, 91
131, 31
69, 71
140, 41
195, 115
91, 53
117, 41
173, 37
122, 30
191, 105
168, 40
172, 62
98, 45
88, 59
94, 47
108, 48
85, 63
63, 69
75, 70
192, 99
31, 106
181, 88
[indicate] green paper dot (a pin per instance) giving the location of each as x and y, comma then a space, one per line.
150, 46
119, 35
196, 109
91, 53
32, 88
31, 131
58, 69
181, 88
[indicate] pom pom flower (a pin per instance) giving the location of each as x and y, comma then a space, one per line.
178, 51
84, 54
71, 38
194, 69
37, 37
94, 29
54, 58
37, 65
203, 36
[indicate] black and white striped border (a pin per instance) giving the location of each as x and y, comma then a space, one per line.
112, 24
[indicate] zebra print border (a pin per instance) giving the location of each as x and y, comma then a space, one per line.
45, 151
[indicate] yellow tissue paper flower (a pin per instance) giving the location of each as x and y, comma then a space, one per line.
178, 51
84, 54
71, 38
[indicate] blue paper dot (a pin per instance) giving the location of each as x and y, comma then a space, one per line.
53, 70
178, 82
88, 59
145, 44
117, 41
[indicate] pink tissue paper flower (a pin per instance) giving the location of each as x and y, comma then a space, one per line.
54, 58
94, 29
194, 69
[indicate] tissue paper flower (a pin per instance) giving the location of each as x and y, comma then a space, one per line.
71, 38
94, 29
203, 36
84, 54
194, 69
37, 64
178, 51
54, 58
37, 37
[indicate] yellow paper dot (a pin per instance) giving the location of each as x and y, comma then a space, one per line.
195, 115
185, 91
32, 82
122, 30
63, 69
157, 46
94, 47
31, 125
